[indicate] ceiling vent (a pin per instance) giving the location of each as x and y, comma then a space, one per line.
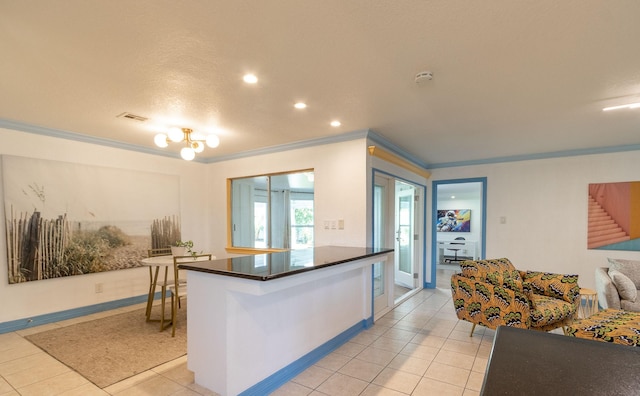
131, 116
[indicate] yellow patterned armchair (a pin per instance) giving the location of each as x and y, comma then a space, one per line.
494, 293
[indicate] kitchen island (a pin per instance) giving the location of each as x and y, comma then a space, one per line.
255, 322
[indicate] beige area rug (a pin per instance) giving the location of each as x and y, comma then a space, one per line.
108, 350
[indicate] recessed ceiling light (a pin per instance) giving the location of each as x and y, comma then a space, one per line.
453, 197
335, 123
250, 78
627, 106
300, 105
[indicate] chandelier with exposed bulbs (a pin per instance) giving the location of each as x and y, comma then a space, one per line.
193, 144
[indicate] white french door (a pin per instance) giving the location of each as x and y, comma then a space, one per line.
382, 237
396, 223
405, 235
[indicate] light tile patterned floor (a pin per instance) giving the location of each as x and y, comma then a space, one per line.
27, 370
420, 348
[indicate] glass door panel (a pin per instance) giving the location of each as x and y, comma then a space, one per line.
404, 245
381, 235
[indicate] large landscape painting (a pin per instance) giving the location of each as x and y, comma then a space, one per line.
65, 219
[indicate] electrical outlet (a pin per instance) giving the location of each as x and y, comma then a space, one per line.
98, 287
341, 224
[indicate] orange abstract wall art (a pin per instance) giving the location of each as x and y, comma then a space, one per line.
614, 216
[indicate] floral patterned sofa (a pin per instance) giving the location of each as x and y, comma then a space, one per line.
494, 293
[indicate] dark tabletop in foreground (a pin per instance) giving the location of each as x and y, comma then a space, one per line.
529, 362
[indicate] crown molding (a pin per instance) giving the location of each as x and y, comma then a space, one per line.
359, 134
57, 133
538, 156
370, 135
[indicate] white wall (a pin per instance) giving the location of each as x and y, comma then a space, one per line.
340, 184
545, 205
53, 295
544, 202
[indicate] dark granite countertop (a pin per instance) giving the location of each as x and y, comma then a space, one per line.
264, 267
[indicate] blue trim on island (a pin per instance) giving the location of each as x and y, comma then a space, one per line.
284, 375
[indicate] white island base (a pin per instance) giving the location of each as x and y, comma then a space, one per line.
248, 337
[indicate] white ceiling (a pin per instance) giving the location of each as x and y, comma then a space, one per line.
461, 191
511, 78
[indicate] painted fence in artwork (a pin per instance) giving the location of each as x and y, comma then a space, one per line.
36, 246
39, 248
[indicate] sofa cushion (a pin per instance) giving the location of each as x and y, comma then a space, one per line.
560, 286
547, 310
633, 306
630, 268
626, 288
498, 272
608, 296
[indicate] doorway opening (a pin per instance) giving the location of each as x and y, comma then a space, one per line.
458, 226
398, 221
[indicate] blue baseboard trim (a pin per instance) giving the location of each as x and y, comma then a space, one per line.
368, 323
284, 375
429, 285
26, 323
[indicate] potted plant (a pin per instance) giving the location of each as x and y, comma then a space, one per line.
182, 248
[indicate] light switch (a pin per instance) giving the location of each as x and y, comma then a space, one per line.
341, 224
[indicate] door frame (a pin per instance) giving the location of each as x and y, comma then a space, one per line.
434, 221
401, 277
421, 245
383, 302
